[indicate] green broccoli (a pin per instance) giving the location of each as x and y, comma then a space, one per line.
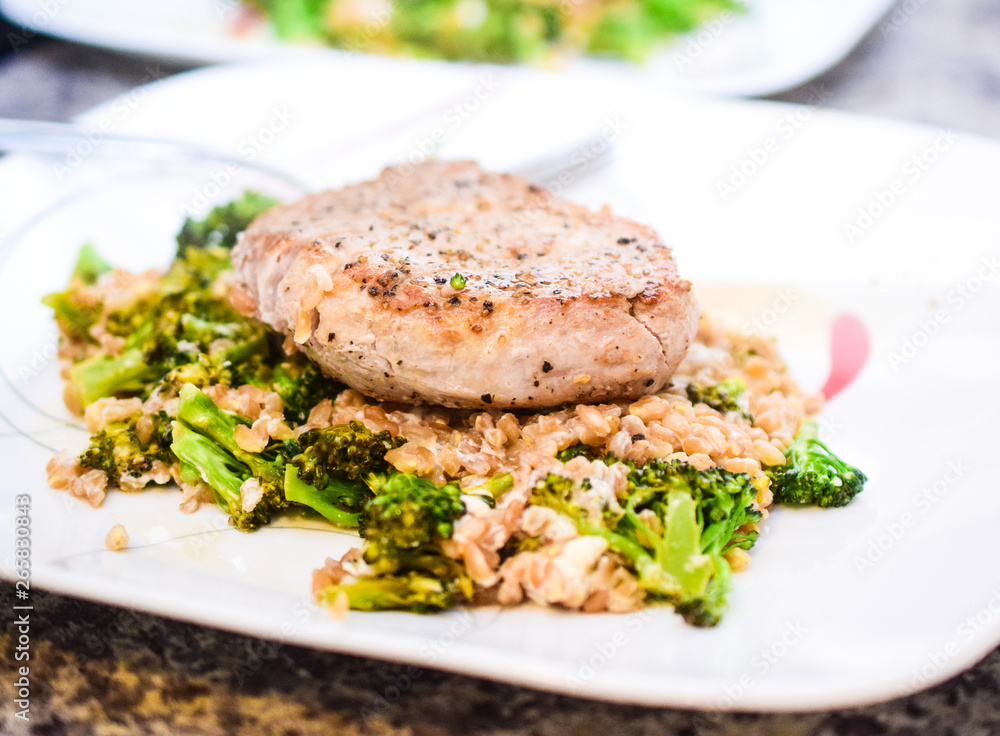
406, 514
170, 328
409, 591
680, 559
182, 319
203, 442
327, 469
182, 334
301, 385
296, 20
223, 223
331, 465
403, 526
202, 459
812, 475
76, 312
577, 450
128, 374
120, 450
723, 396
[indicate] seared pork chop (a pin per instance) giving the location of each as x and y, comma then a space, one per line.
445, 284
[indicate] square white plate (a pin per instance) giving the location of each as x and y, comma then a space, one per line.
783, 217
776, 45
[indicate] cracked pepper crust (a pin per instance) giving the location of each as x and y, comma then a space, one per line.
560, 304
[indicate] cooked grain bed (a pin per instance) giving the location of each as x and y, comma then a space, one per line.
469, 446
573, 572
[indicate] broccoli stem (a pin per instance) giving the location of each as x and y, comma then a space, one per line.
223, 473
808, 432
707, 610
499, 484
410, 591
89, 264
104, 376
299, 491
197, 411
245, 349
652, 576
680, 551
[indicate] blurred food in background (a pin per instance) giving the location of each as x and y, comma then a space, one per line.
498, 31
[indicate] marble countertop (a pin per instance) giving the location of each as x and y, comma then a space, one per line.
103, 670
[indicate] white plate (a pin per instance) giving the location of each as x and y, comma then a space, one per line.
838, 607
777, 45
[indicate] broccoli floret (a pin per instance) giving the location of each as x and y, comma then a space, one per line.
186, 315
324, 469
329, 465
723, 396
223, 223
301, 385
407, 513
75, 311
577, 450
118, 450
725, 500
678, 559
812, 475
403, 526
351, 451
182, 323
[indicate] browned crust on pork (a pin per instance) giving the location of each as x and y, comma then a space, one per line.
560, 303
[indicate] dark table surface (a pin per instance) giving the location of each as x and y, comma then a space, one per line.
102, 670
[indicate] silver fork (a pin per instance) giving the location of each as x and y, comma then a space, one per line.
565, 168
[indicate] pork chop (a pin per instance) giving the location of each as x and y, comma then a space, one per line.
441, 283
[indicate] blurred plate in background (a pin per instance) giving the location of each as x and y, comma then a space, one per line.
776, 45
